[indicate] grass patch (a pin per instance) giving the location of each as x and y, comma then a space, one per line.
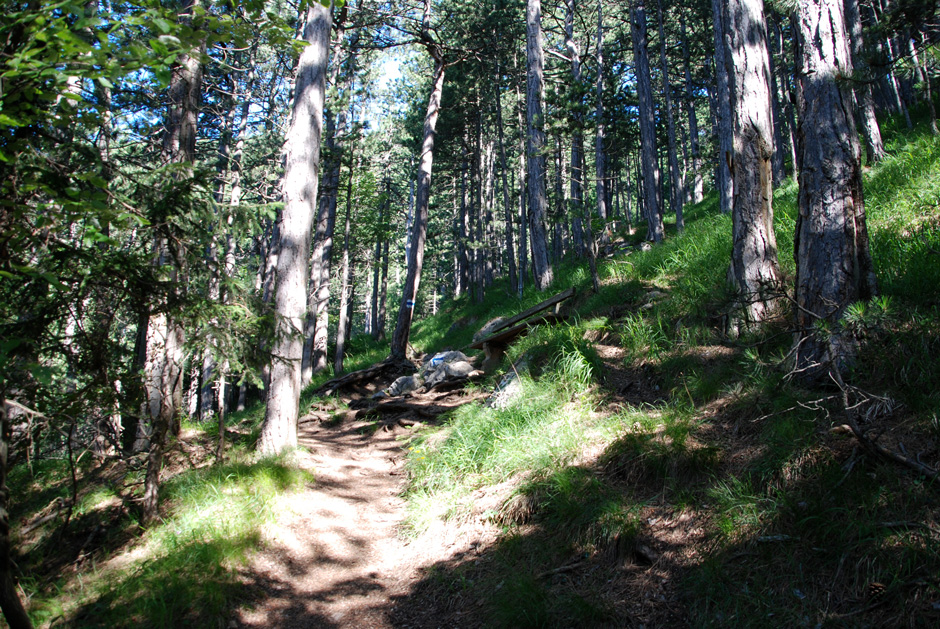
185, 569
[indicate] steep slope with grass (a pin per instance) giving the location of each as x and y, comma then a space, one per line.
654, 471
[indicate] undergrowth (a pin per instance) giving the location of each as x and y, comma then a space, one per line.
795, 524
184, 569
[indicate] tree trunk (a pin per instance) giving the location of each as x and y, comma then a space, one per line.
865, 102
924, 77
165, 335
833, 263
507, 202
648, 151
399, 344
779, 165
782, 87
316, 328
676, 192
464, 235
576, 194
600, 156
342, 325
558, 236
10, 602
301, 178
489, 200
698, 187
754, 267
523, 200
383, 291
723, 112
535, 145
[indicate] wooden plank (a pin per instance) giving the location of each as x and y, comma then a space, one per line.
548, 303
505, 336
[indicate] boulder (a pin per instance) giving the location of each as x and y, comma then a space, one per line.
433, 363
401, 386
508, 390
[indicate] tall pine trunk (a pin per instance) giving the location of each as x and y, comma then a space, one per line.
865, 102
165, 335
600, 155
301, 179
833, 263
535, 146
648, 151
316, 328
676, 191
343, 323
576, 188
723, 112
399, 343
507, 202
754, 269
698, 187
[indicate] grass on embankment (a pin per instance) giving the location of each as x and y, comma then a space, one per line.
754, 511
105, 570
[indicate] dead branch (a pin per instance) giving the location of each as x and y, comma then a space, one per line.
329, 388
426, 411
565, 568
60, 506
871, 444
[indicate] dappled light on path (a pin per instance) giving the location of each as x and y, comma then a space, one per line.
333, 559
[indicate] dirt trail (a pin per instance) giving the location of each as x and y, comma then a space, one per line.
334, 559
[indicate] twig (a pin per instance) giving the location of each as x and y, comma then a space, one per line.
902, 524
870, 444
849, 466
766, 539
565, 568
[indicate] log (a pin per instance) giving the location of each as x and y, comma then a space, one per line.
545, 305
330, 387
428, 412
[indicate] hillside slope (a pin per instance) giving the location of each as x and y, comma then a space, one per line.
658, 472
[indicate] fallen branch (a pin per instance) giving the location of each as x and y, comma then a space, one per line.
566, 568
428, 412
870, 444
335, 384
35, 524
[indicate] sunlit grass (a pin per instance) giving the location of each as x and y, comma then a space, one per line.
184, 570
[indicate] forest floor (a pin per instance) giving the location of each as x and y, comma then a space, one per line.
336, 558
339, 555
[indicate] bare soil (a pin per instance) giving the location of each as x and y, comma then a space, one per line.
336, 557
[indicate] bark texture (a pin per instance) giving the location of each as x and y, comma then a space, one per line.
301, 179
723, 112
576, 193
648, 152
163, 366
698, 187
754, 269
507, 202
535, 145
399, 343
676, 191
865, 101
600, 155
10, 603
833, 263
